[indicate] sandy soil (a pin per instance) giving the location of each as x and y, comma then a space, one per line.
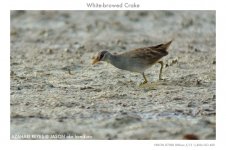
56, 92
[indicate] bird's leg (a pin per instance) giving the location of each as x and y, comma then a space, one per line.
145, 80
160, 74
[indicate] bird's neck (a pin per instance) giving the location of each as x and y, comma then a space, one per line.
115, 60
110, 58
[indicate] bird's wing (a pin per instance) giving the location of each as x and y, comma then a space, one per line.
148, 53
162, 47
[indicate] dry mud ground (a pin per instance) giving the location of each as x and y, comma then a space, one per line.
55, 91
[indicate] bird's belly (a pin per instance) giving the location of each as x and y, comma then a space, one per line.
131, 66
136, 68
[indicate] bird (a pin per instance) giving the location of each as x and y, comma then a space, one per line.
136, 60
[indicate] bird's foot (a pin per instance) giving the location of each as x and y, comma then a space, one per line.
161, 78
142, 83
150, 87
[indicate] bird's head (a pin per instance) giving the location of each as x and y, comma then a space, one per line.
101, 56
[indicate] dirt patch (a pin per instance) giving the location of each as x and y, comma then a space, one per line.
55, 90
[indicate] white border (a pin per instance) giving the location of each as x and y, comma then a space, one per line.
145, 4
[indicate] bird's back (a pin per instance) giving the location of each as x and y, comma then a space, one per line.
148, 54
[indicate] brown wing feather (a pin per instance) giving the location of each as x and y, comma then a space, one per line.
152, 53
163, 47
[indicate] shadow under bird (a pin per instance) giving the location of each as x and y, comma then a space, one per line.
137, 60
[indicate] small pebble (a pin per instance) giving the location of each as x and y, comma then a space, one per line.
82, 106
49, 51
174, 61
50, 85
177, 98
190, 46
197, 50
198, 82
190, 137
67, 50
191, 104
124, 105
12, 73
84, 88
167, 65
214, 61
97, 90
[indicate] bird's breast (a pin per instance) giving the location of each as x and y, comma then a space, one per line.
129, 64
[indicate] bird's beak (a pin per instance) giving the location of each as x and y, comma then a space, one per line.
95, 61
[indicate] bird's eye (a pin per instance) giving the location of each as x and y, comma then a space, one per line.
102, 54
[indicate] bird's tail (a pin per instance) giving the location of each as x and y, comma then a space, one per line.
162, 47
166, 45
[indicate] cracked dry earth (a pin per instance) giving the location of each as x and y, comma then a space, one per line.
55, 90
